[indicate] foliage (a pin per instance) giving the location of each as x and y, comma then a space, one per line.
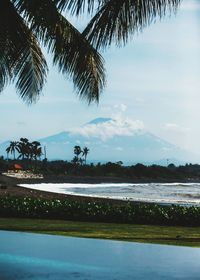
80, 155
114, 21
27, 25
25, 149
133, 173
12, 148
100, 211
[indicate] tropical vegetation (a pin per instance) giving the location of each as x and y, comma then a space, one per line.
12, 148
25, 149
99, 211
110, 171
26, 26
80, 155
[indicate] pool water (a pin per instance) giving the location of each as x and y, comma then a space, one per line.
26, 256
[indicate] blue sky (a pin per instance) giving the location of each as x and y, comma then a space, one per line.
154, 81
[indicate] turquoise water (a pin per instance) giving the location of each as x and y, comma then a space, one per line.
25, 256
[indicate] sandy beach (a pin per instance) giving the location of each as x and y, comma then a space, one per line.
10, 187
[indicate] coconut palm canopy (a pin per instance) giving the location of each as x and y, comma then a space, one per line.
26, 25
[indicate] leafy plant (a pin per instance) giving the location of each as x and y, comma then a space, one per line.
100, 211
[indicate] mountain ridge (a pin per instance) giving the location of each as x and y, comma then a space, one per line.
111, 140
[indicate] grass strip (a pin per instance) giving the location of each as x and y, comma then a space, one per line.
171, 235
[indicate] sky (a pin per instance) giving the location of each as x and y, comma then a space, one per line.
152, 82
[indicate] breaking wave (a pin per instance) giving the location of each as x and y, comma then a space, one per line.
173, 193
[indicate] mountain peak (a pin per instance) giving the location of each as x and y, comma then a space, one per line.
99, 120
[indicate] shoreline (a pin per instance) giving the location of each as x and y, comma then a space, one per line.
11, 187
89, 180
22, 202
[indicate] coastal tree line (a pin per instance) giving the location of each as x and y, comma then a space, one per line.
26, 150
111, 171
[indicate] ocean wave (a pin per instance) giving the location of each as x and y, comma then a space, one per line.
173, 193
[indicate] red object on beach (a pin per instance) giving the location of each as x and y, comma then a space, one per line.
17, 166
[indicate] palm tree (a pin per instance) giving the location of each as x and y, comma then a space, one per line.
75, 160
24, 148
12, 148
85, 153
36, 150
77, 152
81, 161
26, 25
115, 20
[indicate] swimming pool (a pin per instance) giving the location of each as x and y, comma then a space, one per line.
26, 256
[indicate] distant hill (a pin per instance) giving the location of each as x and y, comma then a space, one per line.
113, 140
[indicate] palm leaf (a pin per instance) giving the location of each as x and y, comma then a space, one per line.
73, 55
21, 59
116, 20
81, 61
31, 70
76, 7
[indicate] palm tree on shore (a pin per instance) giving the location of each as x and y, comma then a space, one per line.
77, 151
75, 160
24, 148
36, 150
85, 153
12, 148
25, 25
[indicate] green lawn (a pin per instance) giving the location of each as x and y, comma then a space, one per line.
186, 236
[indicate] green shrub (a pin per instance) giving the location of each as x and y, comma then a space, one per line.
100, 211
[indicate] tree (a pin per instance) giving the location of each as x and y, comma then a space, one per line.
75, 160
85, 153
12, 148
81, 161
26, 25
24, 148
77, 152
36, 150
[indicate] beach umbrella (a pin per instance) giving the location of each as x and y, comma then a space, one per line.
18, 166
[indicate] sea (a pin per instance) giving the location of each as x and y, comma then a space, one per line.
162, 193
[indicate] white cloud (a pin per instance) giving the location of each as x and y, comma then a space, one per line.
105, 130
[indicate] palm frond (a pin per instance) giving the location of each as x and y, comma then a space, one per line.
77, 7
73, 55
116, 20
31, 70
81, 61
21, 58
